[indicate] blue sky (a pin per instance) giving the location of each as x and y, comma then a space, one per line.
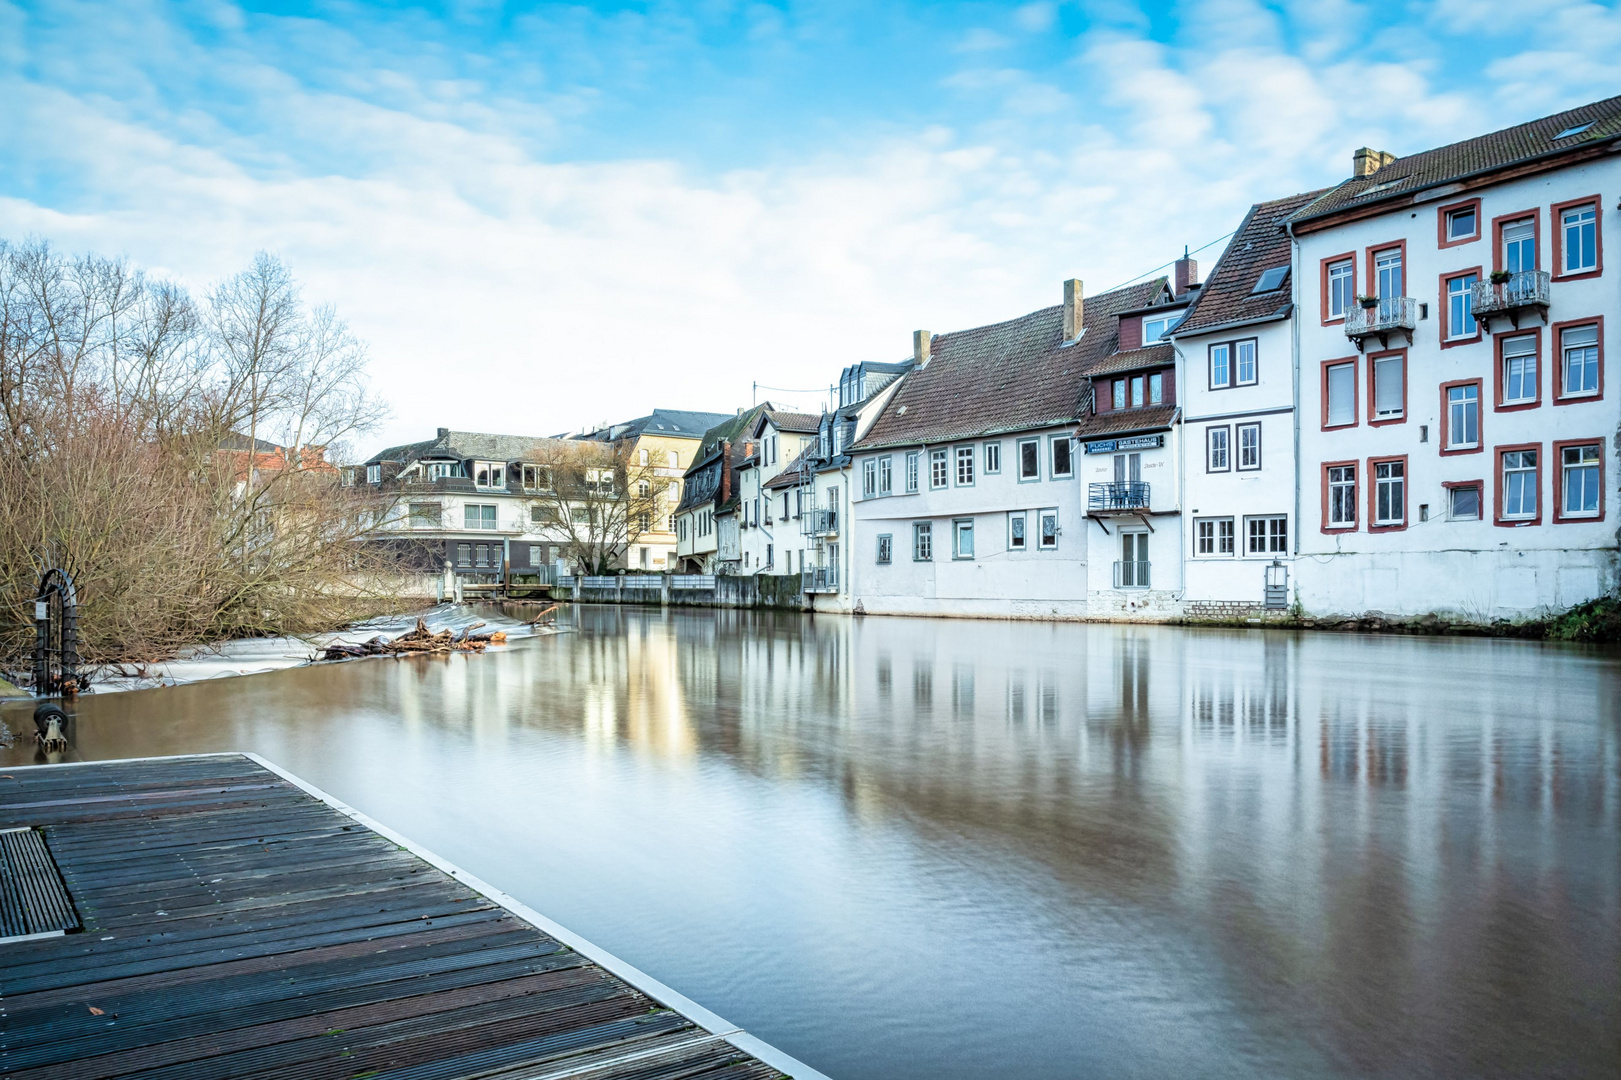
542, 216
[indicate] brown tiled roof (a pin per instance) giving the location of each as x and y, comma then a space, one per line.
1483, 154
1120, 421
791, 476
1133, 360
797, 422
1009, 376
1259, 244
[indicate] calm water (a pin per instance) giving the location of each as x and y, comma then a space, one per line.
902, 848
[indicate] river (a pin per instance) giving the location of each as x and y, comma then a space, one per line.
915, 848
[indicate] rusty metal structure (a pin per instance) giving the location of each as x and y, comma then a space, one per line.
56, 635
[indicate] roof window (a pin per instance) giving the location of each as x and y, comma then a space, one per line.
1577, 130
1272, 280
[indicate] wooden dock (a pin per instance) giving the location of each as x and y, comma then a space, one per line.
236, 925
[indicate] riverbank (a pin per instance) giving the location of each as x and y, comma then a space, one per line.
1597, 622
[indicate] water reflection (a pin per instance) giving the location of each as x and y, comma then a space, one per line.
948, 848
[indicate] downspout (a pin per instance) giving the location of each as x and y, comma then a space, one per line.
1294, 348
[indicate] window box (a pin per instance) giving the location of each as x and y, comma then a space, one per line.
1367, 303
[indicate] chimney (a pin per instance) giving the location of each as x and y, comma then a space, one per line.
1073, 309
444, 433
1187, 273
921, 339
1365, 162
725, 470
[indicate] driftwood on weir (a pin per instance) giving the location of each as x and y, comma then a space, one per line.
419, 640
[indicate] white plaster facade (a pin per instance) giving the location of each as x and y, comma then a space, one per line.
1136, 569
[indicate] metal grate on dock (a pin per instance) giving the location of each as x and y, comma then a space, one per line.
33, 900
232, 924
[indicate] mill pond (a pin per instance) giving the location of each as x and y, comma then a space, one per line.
931, 848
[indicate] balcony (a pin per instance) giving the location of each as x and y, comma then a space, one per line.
1390, 315
1522, 292
1118, 497
823, 522
819, 579
1132, 574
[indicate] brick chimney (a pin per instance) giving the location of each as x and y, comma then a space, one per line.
1365, 162
1187, 273
921, 339
725, 470
1073, 306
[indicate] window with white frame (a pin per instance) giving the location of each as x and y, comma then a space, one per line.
1063, 456
1341, 287
1341, 393
1387, 273
374, 474
1342, 496
644, 489
1463, 417
922, 541
1017, 520
886, 548
642, 457
478, 516
426, 515
1463, 502
1462, 223
1221, 365
1389, 387
1244, 368
1389, 493
1519, 484
939, 469
1137, 400
962, 538
1249, 446
1047, 520
1029, 459
1520, 247
1156, 388
1213, 537
869, 478
1578, 226
673, 459
1520, 370
1578, 347
1460, 306
993, 457
439, 470
1157, 326
490, 474
886, 475
1216, 449
911, 471
1580, 481
965, 466
1118, 394
1266, 535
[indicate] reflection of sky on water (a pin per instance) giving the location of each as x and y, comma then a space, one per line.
954, 848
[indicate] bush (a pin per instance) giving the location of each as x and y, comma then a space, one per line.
1595, 621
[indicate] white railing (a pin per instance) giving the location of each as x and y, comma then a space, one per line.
692, 581
819, 579
1131, 574
1528, 288
1389, 313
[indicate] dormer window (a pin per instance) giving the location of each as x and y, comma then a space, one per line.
1157, 326
491, 475
438, 470
536, 477
374, 474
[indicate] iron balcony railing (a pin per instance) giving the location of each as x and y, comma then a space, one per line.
819, 579
1521, 292
1390, 314
1118, 496
1131, 574
823, 522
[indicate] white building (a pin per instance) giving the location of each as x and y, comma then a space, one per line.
776, 439
1457, 444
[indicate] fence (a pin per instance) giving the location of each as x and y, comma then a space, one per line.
687, 590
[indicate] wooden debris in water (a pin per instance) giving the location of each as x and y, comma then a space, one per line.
418, 640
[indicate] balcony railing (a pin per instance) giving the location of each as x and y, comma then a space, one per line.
1389, 315
824, 522
1118, 497
819, 579
1522, 292
1131, 574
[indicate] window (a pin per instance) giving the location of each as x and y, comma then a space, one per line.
478, 516
1232, 363
1460, 309
1389, 386
1520, 246
1245, 374
535, 556
886, 479
1463, 502
1221, 366
1578, 348
1340, 288
543, 515
869, 478
1339, 392
1389, 493
644, 489
464, 554
1272, 279
1463, 417
490, 474
1342, 496
911, 471
1387, 273
1029, 459
962, 539
1519, 484
1157, 326
1048, 540
1462, 224
642, 457
426, 515
1063, 460
579, 515
886, 548
672, 491
1016, 523
1580, 480
438, 470
1249, 446
1213, 536
481, 554
374, 474
673, 459
993, 457
939, 470
1156, 388
1266, 535
1577, 130
1520, 370
1131, 572
1137, 391
1119, 399
1216, 449
965, 466
1578, 232
923, 541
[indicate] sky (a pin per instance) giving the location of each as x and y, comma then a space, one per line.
541, 217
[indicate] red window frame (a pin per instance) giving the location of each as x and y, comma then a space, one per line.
1441, 213
1446, 416
1542, 370
1555, 335
1554, 212
1373, 492
1373, 420
1374, 250
1497, 485
1558, 471
1356, 416
1535, 214
1444, 305
1322, 284
1322, 522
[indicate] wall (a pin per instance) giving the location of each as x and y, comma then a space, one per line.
734, 591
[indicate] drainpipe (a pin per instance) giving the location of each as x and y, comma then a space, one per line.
1294, 345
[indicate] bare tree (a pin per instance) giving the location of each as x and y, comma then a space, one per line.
595, 500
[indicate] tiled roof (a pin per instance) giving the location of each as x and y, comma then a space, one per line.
1134, 359
1121, 421
1009, 376
797, 470
799, 423
476, 444
670, 423
1485, 153
1259, 244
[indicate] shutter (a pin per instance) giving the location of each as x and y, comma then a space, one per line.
1387, 388
1342, 394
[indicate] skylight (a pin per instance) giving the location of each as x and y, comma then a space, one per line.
1577, 130
1271, 280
